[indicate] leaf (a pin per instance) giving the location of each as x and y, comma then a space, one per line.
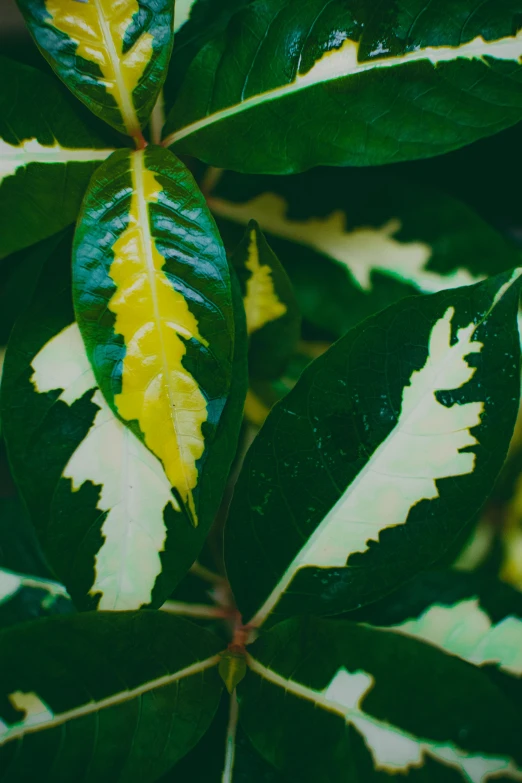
120, 696
46, 148
19, 549
298, 85
100, 500
24, 598
113, 56
319, 701
373, 464
272, 314
153, 301
360, 240
182, 12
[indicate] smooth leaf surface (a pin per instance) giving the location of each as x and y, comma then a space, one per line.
154, 304
24, 597
360, 240
299, 84
19, 548
386, 448
119, 696
319, 701
48, 152
100, 500
112, 55
272, 315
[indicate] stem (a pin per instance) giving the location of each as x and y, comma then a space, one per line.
206, 574
157, 119
210, 180
230, 746
194, 610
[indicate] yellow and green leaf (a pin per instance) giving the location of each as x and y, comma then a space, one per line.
112, 54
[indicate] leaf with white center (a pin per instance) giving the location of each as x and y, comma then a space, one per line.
272, 315
182, 11
319, 701
121, 696
46, 149
331, 82
153, 298
373, 464
112, 54
101, 502
24, 597
360, 240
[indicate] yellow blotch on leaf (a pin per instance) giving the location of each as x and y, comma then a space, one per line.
98, 27
262, 304
153, 317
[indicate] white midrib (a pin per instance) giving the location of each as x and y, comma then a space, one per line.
259, 618
230, 740
50, 154
112, 701
129, 113
143, 217
433, 54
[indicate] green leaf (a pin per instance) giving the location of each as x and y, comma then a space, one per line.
120, 696
154, 304
335, 701
372, 465
47, 155
272, 315
24, 598
100, 500
360, 240
112, 56
19, 548
297, 85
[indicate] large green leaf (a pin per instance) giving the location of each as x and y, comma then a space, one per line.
297, 84
272, 315
116, 696
19, 548
385, 449
360, 240
154, 304
335, 701
24, 597
100, 500
113, 56
47, 155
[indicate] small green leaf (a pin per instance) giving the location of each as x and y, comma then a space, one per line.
232, 669
372, 465
47, 155
333, 701
120, 696
296, 85
112, 56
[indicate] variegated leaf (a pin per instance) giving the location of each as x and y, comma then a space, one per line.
320, 701
153, 299
24, 597
46, 149
272, 315
118, 696
112, 54
297, 84
360, 240
374, 463
100, 500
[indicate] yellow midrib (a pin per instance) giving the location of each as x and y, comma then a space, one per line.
128, 111
144, 222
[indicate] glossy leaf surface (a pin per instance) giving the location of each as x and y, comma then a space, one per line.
301, 84
154, 304
319, 700
120, 696
353, 242
112, 55
272, 315
100, 500
47, 155
373, 464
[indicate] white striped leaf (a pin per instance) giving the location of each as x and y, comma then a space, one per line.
118, 696
297, 84
47, 155
374, 463
335, 701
